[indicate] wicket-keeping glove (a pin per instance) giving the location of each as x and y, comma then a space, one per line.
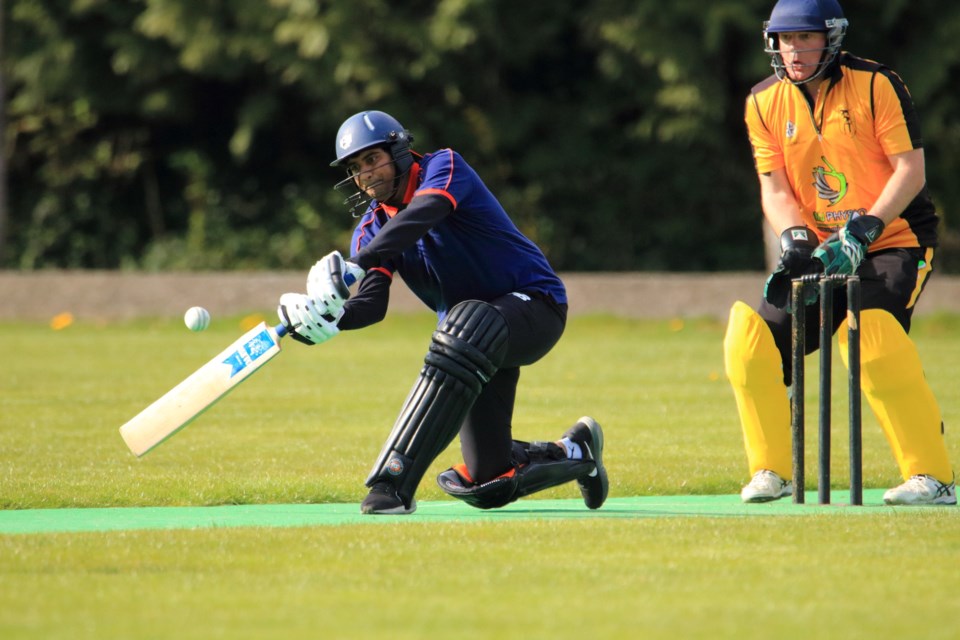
329, 280
306, 320
843, 252
796, 250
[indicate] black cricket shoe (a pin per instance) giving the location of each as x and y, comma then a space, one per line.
593, 486
383, 499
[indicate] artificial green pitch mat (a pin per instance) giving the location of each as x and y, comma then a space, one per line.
303, 515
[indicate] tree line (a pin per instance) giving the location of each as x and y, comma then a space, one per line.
197, 134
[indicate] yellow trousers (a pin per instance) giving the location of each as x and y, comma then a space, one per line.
892, 380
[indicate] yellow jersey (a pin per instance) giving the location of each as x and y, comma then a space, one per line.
835, 148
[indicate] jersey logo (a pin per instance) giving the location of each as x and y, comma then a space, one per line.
848, 125
791, 130
824, 188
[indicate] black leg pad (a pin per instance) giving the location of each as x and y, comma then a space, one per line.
465, 352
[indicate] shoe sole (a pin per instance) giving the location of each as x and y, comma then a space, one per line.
786, 492
761, 499
931, 503
589, 483
395, 511
946, 495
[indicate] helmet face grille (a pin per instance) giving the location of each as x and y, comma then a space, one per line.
805, 15
367, 130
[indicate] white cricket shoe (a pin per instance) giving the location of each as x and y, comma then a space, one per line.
766, 486
922, 489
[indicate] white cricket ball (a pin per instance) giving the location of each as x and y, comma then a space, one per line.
196, 318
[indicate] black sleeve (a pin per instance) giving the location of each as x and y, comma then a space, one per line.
403, 230
369, 304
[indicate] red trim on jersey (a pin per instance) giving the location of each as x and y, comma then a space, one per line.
412, 181
441, 192
408, 195
445, 191
411, 192
385, 272
363, 232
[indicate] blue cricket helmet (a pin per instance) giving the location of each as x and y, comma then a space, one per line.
369, 129
802, 15
805, 15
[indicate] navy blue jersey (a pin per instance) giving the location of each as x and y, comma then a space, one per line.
474, 253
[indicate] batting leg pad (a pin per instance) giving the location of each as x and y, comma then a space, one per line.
465, 352
755, 370
897, 391
537, 466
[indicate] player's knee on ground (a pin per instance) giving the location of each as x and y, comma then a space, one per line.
537, 466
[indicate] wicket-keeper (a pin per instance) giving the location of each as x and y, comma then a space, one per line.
837, 146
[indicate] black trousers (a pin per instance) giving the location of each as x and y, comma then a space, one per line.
535, 323
891, 279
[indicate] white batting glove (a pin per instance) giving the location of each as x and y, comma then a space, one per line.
306, 319
329, 280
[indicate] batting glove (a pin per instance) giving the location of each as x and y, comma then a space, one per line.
843, 252
329, 280
306, 320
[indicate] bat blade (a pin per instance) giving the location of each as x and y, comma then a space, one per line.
199, 391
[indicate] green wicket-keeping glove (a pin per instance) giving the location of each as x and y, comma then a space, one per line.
796, 248
843, 252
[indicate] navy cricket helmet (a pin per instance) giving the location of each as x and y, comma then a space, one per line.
369, 130
825, 16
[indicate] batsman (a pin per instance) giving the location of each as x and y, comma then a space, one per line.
499, 304
837, 147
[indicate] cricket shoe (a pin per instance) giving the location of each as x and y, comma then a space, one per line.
593, 486
921, 489
383, 499
766, 486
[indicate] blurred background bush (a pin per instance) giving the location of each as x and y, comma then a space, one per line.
197, 134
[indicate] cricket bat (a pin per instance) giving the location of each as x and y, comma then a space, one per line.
186, 401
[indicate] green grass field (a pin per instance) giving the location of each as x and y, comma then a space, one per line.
295, 433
